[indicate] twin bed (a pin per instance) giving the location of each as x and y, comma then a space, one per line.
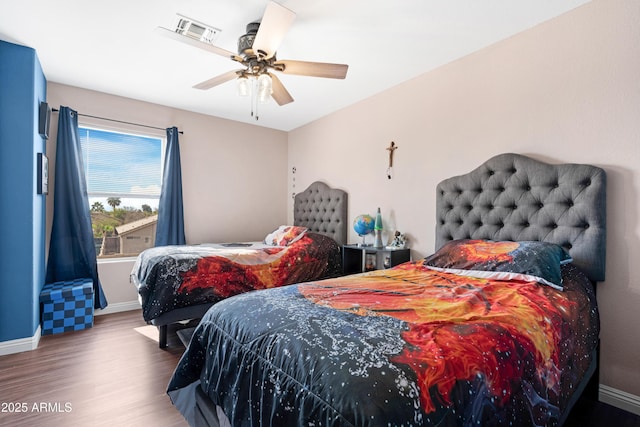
498, 327
178, 283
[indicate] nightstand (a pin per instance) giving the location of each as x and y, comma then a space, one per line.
356, 259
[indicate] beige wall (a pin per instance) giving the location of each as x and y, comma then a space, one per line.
565, 91
233, 174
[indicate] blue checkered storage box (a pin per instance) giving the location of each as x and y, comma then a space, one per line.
67, 306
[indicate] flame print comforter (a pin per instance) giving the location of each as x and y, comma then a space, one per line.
407, 346
171, 277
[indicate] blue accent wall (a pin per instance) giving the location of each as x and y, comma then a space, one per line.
22, 215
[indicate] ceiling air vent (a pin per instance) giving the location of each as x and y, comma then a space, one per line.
196, 30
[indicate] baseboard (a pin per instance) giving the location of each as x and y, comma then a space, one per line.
620, 399
21, 344
117, 307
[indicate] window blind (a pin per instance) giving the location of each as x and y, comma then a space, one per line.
120, 164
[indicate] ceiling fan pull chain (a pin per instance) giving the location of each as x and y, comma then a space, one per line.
254, 97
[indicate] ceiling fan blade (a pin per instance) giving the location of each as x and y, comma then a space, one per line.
313, 69
279, 92
275, 23
197, 43
222, 78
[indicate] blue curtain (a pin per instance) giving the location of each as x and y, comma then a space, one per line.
170, 228
72, 252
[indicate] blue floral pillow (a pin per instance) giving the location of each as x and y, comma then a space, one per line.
502, 260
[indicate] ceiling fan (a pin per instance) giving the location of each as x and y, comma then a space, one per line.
257, 54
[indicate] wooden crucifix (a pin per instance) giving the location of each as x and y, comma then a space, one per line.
391, 148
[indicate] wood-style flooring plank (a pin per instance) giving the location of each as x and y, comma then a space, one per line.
109, 375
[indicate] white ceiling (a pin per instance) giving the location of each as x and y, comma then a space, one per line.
112, 47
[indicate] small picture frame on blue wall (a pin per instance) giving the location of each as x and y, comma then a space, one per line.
44, 119
43, 174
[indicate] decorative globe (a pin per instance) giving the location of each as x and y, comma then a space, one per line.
364, 224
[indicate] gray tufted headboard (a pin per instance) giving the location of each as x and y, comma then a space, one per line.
513, 197
323, 210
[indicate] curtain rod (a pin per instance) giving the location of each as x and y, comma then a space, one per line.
55, 110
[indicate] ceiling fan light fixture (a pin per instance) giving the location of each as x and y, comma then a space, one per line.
265, 88
243, 86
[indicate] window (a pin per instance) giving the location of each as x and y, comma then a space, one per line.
124, 177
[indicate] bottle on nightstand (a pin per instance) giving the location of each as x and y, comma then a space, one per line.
377, 228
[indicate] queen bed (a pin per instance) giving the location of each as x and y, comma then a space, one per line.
178, 283
498, 327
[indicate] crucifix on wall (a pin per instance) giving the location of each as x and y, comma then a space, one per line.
391, 148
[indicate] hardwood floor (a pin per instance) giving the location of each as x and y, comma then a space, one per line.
109, 375
115, 375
